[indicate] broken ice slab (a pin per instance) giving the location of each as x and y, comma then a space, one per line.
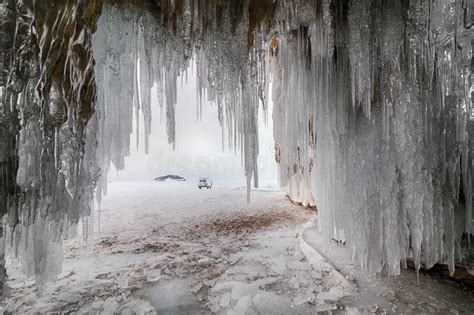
333, 294
123, 281
197, 288
153, 275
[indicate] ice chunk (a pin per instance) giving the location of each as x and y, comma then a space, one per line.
153, 275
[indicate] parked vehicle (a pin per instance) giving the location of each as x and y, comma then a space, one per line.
205, 183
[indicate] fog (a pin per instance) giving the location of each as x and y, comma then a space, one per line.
198, 150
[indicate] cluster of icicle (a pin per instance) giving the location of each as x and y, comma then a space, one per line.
47, 158
372, 107
134, 54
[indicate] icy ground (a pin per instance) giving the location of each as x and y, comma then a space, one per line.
408, 293
170, 248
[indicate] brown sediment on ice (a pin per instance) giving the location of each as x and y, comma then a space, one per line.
312, 207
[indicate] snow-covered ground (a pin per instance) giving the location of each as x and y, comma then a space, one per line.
170, 248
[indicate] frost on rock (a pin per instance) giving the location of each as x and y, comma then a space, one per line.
372, 111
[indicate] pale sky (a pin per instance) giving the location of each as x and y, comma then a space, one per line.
198, 151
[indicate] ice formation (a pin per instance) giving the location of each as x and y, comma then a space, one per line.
375, 103
47, 93
372, 111
132, 49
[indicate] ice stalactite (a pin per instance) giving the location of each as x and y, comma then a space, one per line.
162, 47
47, 95
370, 107
372, 101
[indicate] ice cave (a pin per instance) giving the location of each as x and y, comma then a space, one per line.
372, 117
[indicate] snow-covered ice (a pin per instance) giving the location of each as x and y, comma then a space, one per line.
170, 248
381, 294
181, 249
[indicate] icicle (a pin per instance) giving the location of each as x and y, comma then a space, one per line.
99, 212
380, 161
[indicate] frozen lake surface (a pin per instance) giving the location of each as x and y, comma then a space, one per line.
170, 248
